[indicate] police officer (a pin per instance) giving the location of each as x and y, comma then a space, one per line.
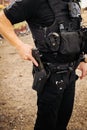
50, 27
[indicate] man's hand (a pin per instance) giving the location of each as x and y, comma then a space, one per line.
7, 31
25, 52
83, 68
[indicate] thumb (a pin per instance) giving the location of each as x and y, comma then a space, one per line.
83, 73
81, 76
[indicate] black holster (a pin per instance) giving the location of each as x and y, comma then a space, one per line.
39, 73
40, 78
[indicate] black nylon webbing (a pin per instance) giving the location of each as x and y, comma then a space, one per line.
59, 7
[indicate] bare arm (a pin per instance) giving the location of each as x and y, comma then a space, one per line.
7, 31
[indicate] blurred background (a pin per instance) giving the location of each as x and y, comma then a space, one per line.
18, 104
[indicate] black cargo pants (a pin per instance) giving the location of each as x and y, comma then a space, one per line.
55, 104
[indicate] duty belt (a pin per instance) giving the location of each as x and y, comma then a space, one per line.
61, 68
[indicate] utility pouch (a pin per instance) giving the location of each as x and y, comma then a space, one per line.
39, 73
70, 42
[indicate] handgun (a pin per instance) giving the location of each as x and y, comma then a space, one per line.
37, 56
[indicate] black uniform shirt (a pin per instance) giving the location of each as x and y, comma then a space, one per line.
35, 11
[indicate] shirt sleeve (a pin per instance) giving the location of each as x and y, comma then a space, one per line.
19, 10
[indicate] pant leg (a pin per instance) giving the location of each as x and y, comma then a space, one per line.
49, 104
66, 106
55, 104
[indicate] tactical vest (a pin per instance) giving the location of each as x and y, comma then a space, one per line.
63, 36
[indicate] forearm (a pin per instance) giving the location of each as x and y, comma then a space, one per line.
7, 31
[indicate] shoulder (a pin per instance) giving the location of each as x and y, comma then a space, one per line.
19, 10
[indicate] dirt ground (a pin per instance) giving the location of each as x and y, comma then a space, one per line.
18, 100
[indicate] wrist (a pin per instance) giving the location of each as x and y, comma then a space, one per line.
19, 45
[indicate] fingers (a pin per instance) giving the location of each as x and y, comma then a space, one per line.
30, 57
34, 61
83, 74
25, 52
